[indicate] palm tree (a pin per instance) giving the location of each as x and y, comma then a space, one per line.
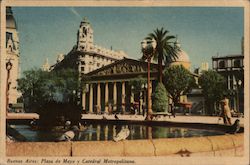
166, 49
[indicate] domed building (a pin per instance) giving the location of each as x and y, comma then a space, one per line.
182, 59
12, 54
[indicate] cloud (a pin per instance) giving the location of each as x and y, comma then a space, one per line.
73, 10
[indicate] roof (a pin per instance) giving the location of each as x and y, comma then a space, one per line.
228, 56
139, 66
182, 56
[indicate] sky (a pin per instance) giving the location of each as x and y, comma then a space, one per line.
203, 32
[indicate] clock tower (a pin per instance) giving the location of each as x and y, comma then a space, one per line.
85, 36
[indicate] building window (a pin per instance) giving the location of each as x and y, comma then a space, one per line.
229, 63
98, 64
82, 68
222, 64
82, 62
236, 63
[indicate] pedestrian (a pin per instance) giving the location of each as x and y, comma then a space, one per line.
172, 109
226, 113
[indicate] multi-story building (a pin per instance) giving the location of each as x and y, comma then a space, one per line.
232, 68
85, 55
12, 55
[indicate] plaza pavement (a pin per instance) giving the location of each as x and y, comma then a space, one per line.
178, 118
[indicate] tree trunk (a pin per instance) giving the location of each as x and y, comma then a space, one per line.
160, 67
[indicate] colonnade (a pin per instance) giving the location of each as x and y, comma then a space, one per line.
108, 87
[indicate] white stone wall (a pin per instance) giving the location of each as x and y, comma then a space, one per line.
90, 63
13, 55
85, 43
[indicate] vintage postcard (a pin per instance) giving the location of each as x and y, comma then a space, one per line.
124, 82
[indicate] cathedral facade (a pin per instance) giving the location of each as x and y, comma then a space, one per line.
12, 55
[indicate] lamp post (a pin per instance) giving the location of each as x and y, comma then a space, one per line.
148, 49
8, 68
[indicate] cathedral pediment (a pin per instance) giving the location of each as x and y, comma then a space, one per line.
124, 66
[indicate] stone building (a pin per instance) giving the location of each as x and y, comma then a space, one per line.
12, 54
232, 68
110, 84
85, 55
182, 58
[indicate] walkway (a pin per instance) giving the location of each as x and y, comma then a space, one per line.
181, 119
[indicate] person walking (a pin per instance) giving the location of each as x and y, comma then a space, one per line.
226, 113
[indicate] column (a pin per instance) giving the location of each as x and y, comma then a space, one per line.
84, 101
132, 97
228, 82
115, 96
98, 98
106, 97
90, 98
141, 102
123, 97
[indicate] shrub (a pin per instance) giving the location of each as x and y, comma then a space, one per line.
160, 99
55, 113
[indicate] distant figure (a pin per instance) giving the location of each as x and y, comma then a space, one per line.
67, 124
172, 109
122, 135
116, 117
33, 122
110, 108
104, 118
79, 125
226, 113
235, 127
143, 109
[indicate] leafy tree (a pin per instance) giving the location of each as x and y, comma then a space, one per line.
137, 84
166, 49
32, 86
137, 87
178, 81
39, 87
213, 88
160, 101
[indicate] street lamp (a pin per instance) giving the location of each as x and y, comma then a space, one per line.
148, 49
8, 68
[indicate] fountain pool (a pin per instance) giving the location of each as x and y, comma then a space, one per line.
104, 132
